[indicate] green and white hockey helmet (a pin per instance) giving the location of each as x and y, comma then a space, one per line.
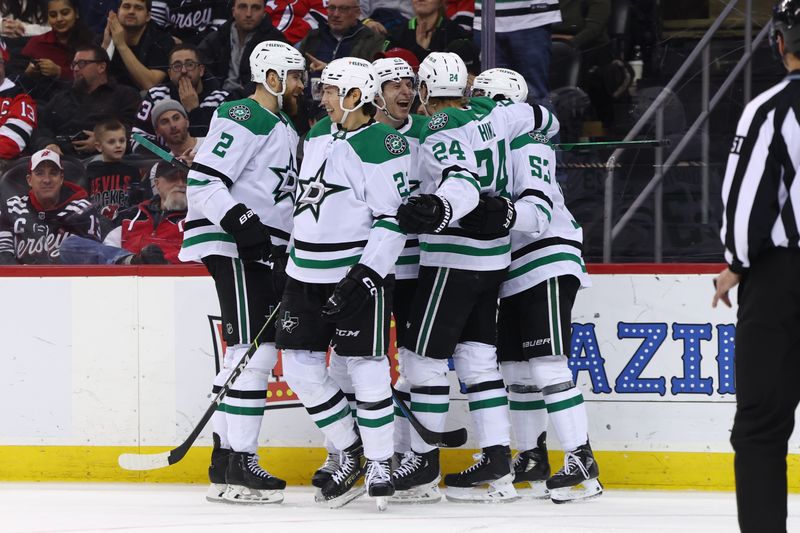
444, 74
277, 56
501, 81
349, 73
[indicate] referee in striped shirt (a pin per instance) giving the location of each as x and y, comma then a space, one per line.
760, 232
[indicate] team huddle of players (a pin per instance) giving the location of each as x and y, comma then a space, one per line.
431, 218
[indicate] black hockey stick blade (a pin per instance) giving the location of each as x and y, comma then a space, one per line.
152, 461
447, 439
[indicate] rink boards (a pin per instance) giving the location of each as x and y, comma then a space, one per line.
101, 361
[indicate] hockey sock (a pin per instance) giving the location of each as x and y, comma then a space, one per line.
307, 375
337, 368
526, 404
375, 414
476, 366
247, 399
563, 400
430, 395
218, 419
402, 429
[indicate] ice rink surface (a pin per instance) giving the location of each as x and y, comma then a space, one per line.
78, 507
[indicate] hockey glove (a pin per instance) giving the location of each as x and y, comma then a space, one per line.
359, 285
279, 258
426, 213
251, 236
494, 216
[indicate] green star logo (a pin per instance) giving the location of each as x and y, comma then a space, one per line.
239, 112
313, 192
287, 181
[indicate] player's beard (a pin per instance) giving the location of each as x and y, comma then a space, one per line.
290, 104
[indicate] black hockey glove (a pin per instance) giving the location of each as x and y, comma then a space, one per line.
251, 236
426, 213
359, 285
494, 216
279, 258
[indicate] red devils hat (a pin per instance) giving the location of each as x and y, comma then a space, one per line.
404, 54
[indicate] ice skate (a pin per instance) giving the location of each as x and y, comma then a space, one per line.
417, 478
340, 489
577, 480
323, 473
488, 480
248, 483
532, 468
379, 482
216, 471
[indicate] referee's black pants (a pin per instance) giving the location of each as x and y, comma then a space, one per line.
767, 388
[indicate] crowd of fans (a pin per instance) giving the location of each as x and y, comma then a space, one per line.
80, 78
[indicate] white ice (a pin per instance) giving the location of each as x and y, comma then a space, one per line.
84, 507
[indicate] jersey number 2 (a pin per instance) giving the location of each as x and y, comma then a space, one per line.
225, 141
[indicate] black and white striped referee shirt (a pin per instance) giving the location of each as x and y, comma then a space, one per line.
760, 194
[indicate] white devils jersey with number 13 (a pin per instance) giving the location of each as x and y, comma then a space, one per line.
248, 157
351, 184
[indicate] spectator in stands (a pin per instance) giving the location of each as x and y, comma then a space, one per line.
149, 233
66, 122
141, 48
343, 36
33, 226
386, 16
50, 53
95, 13
199, 96
523, 41
429, 30
462, 12
190, 20
23, 18
17, 115
171, 123
295, 18
114, 185
228, 49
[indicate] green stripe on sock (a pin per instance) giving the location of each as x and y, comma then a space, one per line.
565, 404
398, 413
333, 418
488, 403
375, 422
236, 410
430, 407
526, 406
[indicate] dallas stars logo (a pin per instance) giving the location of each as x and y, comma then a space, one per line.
313, 191
239, 112
438, 121
395, 144
287, 181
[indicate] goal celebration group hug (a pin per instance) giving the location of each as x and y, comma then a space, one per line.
452, 221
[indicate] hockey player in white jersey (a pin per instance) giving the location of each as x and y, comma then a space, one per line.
345, 242
241, 193
546, 272
463, 153
398, 87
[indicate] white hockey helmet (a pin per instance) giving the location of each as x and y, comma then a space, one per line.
392, 69
444, 74
348, 73
507, 82
277, 56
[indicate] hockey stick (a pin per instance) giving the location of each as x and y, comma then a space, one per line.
447, 439
151, 461
601, 145
160, 152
